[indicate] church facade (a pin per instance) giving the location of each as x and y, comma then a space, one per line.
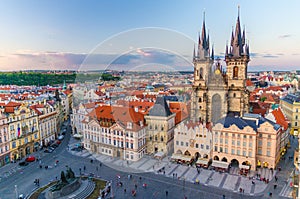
218, 91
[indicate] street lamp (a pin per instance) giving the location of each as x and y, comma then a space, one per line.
16, 190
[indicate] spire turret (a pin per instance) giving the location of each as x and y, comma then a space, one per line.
203, 42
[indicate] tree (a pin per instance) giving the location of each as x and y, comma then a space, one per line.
63, 177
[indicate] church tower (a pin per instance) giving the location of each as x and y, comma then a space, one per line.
202, 65
237, 58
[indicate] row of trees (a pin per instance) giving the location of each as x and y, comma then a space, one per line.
43, 79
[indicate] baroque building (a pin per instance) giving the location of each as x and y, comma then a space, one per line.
217, 92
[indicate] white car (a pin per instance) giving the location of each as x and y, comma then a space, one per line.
61, 137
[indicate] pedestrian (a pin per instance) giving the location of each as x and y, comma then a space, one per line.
140, 178
84, 168
276, 178
223, 196
100, 164
167, 193
275, 186
80, 171
124, 190
135, 185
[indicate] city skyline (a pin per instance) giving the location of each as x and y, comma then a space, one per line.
56, 35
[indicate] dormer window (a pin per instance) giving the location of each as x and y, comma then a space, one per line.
129, 125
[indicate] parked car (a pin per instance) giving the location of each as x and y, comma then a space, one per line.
58, 142
23, 163
61, 137
54, 145
48, 151
30, 158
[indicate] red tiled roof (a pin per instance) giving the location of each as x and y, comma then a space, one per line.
280, 118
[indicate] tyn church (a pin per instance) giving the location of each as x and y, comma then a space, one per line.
218, 92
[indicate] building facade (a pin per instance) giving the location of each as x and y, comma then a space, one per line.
115, 131
160, 132
193, 139
249, 140
4, 141
290, 105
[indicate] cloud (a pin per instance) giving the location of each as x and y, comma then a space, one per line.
284, 36
81, 61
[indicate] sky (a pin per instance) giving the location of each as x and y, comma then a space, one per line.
62, 34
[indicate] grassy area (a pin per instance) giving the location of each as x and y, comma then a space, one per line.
40, 190
100, 184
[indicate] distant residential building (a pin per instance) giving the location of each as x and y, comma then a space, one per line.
160, 132
4, 141
290, 105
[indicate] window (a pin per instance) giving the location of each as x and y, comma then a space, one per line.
259, 143
234, 95
177, 143
201, 73
296, 123
269, 136
181, 143
233, 142
232, 151
216, 140
216, 148
238, 143
259, 151
207, 147
197, 145
221, 141
260, 135
226, 141
250, 144
186, 144
268, 153
244, 144
235, 72
244, 153
250, 153
14, 145
202, 146
226, 150
221, 149
245, 136
296, 117
238, 152
269, 144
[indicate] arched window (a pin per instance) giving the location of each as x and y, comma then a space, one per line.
201, 73
234, 95
235, 72
200, 99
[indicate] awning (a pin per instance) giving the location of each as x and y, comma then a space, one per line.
202, 161
220, 164
244, 166
159, 154
175, 156
181, 157
77, 135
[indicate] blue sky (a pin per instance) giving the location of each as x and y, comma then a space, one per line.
59, 34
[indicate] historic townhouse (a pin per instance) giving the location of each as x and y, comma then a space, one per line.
250, 140
193, 139
47, 122
4, 141
160, 132
23, 129
115, 131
